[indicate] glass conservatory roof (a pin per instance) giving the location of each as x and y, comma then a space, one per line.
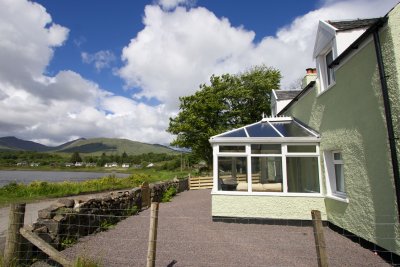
278, 127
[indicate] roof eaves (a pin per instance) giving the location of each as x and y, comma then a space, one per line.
296, 98
379, 23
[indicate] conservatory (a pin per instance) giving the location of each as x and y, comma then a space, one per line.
267, 169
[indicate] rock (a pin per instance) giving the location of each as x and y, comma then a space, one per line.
48, 213
42, 229
59, 218
67, 202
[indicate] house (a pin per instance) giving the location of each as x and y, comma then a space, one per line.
150, 165
280, 98
90, 164
125, 165
110, 165
78, 164
34, 164
333, 147
69, 164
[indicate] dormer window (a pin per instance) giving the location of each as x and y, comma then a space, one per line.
330, 74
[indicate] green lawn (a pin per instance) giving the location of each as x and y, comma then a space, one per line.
14, 192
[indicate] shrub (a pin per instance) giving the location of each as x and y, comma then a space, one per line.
169, 194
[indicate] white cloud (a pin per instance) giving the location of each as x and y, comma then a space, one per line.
101, 59
60, 108
171, 4
178, 50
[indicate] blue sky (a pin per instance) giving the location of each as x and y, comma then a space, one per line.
71, 69
110, 25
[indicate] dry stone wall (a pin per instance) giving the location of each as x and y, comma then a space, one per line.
63, 223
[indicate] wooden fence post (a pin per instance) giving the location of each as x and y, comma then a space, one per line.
151, 251
146, 195
320, 244
12, 250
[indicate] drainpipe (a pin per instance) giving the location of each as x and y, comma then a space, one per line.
388, 115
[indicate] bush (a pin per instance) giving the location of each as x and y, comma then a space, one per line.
169, 194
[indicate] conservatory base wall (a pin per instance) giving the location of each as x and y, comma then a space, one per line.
273, 207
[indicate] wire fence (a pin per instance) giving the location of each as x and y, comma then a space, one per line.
188, 236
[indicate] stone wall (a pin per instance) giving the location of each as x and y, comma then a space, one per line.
63, 223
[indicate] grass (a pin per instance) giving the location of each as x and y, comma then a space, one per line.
15, 192
86, 262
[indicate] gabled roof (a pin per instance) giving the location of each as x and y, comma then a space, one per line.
286, 94
345, 25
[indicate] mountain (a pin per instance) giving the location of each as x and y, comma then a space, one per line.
13, 143
93, 146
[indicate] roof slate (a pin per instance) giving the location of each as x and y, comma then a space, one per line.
344, 25
286, 94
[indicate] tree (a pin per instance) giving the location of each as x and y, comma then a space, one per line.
75, 157
230, 101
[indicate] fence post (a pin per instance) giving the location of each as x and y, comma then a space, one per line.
12, 250
320, 244
146, 195
151, 251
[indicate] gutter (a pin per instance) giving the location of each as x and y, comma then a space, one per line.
388, 115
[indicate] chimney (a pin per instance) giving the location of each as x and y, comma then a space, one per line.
311, 75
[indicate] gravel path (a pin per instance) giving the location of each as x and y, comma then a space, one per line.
188, 237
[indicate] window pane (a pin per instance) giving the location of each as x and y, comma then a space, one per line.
237, 133
262, 129
302, 149
339, 178
302, 174
266, 149
329, 71
266, 174
232, 149
231, 171
337, 156
290, 129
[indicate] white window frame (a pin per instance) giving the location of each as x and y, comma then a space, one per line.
323, 69
284, 154
330, 174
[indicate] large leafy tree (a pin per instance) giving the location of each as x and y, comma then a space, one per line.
228, 102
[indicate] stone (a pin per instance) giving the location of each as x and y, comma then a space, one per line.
59, 218
42, 229
67, 202
48, 213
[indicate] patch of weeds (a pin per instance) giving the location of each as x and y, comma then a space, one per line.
169, 194
107, 224
64, 210
86, 262
132, 211
68, 242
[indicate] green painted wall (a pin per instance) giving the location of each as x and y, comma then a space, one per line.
278, 207
350, 117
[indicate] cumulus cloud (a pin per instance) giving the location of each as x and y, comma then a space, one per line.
171, 4
101, 59
65, 106
178, 50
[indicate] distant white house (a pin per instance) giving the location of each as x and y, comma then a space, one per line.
110, 165
151, 165
79, 164
34, 164
125, 165
69, 164
23, 163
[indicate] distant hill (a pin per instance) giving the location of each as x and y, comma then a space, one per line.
13, 143
94, 146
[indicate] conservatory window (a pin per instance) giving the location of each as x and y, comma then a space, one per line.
266, 174
231, 172
302, 174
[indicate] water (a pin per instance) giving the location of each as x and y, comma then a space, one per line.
26, 177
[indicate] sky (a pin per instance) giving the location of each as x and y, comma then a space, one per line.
103, 68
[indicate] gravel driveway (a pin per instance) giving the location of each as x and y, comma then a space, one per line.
188, 237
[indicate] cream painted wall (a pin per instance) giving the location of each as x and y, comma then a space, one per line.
274, 207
